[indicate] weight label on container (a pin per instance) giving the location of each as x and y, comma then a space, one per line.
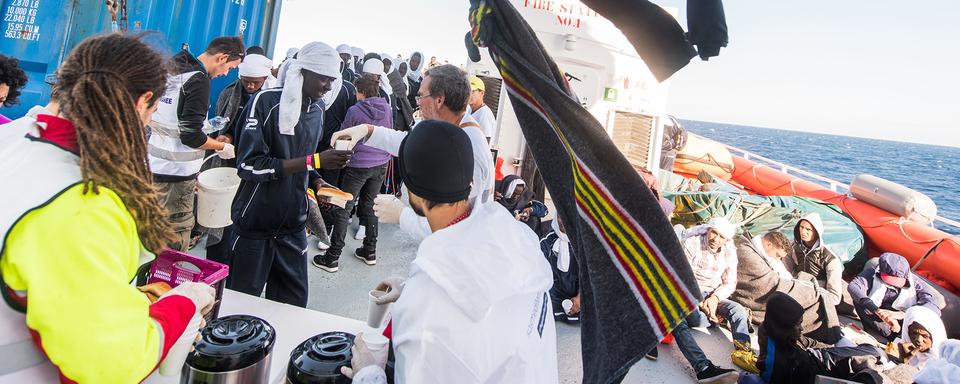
20, 19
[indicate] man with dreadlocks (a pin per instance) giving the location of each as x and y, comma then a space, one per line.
177, 142
277, 161
95, 196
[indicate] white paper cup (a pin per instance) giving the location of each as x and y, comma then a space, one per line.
341, 145
177, 356
378, 345
376, 312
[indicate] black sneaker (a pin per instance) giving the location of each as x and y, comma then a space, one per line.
715, 374
369, 257
653, 354
327, 262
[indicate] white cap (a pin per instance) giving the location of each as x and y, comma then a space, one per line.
356, 51
373, 66
292, 52
343, 48
315, 57
723, 226
255, 65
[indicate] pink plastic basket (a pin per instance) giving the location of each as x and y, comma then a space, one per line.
174, 267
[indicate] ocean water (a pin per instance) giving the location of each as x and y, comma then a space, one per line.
929, 169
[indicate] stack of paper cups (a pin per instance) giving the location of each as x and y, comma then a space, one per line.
177, 356
378, 345
376, 312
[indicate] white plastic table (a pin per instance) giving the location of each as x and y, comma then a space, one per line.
292, 324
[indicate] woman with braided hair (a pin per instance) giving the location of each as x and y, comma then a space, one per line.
83, 218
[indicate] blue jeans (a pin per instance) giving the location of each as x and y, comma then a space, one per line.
689, 348
735, 315
733, 312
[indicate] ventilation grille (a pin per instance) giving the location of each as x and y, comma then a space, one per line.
633, 135
491, 95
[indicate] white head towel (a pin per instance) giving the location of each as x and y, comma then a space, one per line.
315, 57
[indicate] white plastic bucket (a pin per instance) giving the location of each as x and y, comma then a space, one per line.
215, 190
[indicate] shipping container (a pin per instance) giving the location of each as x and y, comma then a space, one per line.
41, 33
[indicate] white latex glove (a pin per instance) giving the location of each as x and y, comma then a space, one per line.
354, 135
202, 295
387, 208
228, 152
362, 357
393, 286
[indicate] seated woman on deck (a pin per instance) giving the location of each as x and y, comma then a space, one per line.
513, 194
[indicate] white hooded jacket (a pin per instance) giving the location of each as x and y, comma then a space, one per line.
475, 308
930, 320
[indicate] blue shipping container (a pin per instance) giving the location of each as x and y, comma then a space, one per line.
41, 33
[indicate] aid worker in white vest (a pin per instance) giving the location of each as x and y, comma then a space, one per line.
460, 317
177, 142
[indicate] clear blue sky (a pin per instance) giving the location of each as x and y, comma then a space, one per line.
883, 69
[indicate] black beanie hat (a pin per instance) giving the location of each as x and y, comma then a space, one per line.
783, 312
436, 162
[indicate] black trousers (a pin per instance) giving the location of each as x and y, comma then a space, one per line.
279, 263
846, 362
363, 183
220, 252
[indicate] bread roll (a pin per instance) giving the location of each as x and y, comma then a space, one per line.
335, 196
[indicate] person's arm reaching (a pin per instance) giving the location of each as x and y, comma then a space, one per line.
192, 113
385, 139
833, 290
859, 287
255, 163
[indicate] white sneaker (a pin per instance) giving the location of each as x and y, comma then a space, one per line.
322, 246
361, 233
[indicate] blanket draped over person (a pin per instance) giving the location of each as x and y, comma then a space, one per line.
636, 284
758, 280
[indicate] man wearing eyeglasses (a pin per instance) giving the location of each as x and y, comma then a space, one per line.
176, 141
444, 95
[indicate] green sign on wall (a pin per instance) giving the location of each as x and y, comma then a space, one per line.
609, 94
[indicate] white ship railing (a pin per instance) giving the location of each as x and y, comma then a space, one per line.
834, 185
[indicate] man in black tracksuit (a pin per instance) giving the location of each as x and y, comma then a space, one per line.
270, 208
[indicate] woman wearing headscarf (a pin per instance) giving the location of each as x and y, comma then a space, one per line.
923, 332
402, 121
403, 111
415, 77
565, 293
513, 194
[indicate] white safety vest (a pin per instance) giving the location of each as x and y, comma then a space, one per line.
905, 299
167, 154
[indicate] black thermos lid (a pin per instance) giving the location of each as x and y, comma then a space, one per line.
232, 342
318, 359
